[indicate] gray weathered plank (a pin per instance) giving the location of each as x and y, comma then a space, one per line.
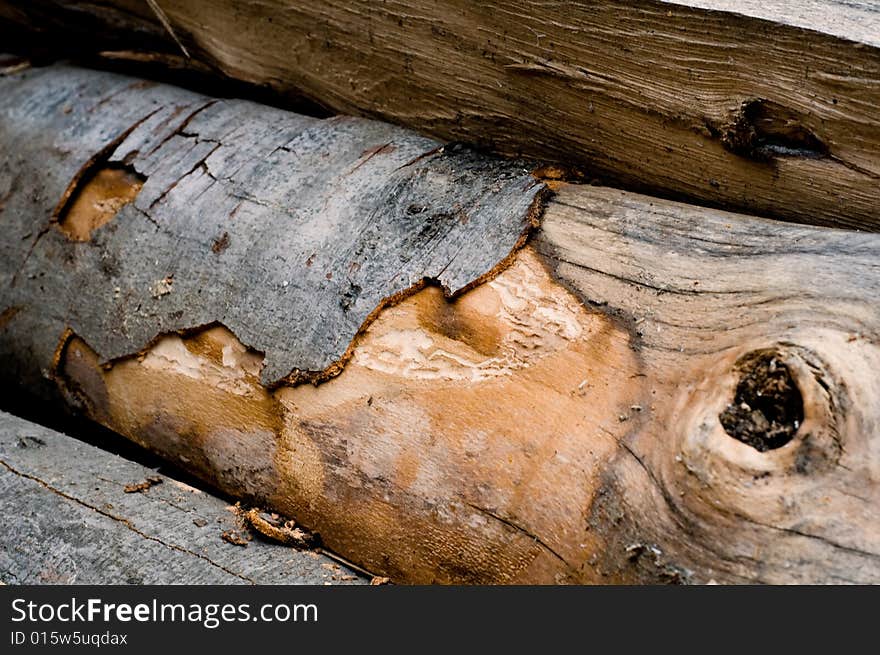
853, 20
68, 520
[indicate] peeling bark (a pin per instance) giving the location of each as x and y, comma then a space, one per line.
289, 230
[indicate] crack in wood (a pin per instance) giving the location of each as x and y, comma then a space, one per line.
520, 530
124, 522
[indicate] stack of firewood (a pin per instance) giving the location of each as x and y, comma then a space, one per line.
442, 328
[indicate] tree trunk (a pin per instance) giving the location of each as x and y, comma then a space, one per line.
764, 107
644, 392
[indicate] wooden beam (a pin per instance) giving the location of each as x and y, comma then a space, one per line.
763, 107
645, 392
68, 519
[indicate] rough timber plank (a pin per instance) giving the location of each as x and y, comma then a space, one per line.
763, 107
288, 230
67, 520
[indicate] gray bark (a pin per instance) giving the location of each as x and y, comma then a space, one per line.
288, 230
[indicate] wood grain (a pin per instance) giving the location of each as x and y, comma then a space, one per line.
763, 107
557, 422
68, 520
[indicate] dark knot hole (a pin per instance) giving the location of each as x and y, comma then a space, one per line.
768, 408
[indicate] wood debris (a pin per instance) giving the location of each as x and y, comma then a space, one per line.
143, 485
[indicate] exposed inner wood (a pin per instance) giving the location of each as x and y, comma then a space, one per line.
520, 435
97, 200
547, 413
763, 107
479, 383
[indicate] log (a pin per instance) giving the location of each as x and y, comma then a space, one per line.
763, 107
75, 514
643, 392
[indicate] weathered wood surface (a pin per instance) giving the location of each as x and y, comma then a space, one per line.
646, 392
766, 107
525, 434
68, 520
288, 230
